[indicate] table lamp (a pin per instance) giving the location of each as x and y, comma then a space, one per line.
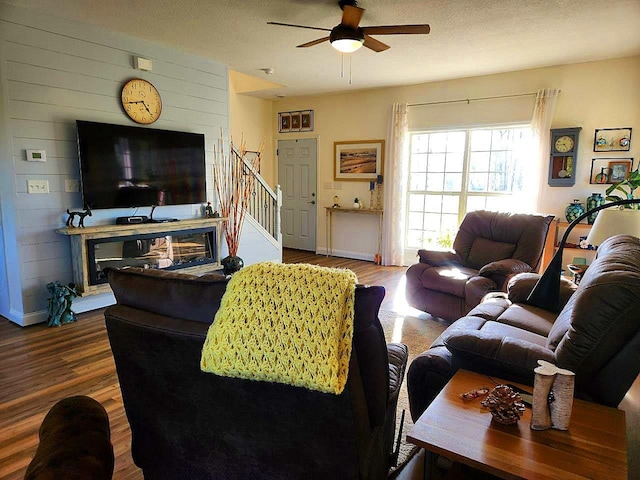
546, 293
614, 222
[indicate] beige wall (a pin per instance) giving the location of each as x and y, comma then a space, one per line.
251, 118
602, 94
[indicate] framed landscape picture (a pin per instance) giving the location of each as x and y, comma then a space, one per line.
612, 140
360, 160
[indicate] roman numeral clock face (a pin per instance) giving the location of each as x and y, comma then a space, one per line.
141, 101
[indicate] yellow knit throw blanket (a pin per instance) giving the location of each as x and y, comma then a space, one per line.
281, 323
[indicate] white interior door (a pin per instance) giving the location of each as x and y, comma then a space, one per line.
297, 176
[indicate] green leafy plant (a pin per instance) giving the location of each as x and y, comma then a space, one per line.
626, 186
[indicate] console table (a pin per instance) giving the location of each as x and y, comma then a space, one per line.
329, 219
142, 243
594, 447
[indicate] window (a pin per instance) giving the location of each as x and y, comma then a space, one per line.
454, 172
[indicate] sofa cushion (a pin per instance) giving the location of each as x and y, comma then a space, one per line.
498, 329
493, 349
484, 251
451, 280
529, 318
186, 296
520, 287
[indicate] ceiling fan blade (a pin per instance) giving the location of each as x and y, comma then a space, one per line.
298, 26
375, 45
314, 42
351, 16
397, 29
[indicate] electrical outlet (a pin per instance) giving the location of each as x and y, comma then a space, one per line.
38, 186
71, 186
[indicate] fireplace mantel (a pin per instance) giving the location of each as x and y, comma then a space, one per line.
84, 241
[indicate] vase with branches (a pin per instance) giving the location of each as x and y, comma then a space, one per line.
234, 176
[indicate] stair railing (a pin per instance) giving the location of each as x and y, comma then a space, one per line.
264, 204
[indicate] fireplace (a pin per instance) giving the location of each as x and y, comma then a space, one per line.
168, 251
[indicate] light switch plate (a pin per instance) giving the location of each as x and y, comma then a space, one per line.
71, 186
144, 64
36, 156
38, 186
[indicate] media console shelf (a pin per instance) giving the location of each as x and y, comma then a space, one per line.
193, 246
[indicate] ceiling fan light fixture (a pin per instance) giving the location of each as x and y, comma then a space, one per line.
345, 39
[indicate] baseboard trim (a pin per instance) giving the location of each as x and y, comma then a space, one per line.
79, 305
348, 254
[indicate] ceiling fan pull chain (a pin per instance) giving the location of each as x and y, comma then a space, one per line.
342, 65
349, 69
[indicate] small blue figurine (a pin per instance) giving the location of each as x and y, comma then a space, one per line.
60, 303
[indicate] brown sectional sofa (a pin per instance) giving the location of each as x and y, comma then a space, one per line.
596, 335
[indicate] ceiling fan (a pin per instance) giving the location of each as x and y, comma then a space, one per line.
348, 36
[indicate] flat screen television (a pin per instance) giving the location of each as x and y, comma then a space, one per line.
124, 166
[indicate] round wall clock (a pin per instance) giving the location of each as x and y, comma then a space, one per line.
141, 101
564, 144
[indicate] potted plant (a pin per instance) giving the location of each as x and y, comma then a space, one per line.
626, 186
234, 176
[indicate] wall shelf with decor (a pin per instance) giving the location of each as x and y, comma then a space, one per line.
572, 248
192, 246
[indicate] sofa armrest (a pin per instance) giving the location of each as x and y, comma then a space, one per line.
75, 442
521, 285
504, 268
438, 258
398, 354
501, 355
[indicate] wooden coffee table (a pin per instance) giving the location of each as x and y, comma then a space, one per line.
594, 446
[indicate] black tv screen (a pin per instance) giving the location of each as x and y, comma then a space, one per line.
123, 166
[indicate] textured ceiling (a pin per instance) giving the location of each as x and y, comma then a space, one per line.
468, 37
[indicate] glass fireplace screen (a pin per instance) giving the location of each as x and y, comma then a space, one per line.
171, 252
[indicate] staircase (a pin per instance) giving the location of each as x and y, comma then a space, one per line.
262, 213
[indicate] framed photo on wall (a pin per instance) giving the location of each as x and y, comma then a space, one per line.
306, 118
612, 140
360, 160
284, 122
620, 170
295, 121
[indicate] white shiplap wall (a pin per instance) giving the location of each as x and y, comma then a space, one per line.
54, 72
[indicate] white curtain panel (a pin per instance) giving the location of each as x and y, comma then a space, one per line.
540, 125
394, 186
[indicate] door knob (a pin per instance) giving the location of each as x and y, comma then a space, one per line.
312, 202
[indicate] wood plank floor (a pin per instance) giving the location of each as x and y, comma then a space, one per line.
41, 365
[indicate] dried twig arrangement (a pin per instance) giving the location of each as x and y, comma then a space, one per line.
234, 179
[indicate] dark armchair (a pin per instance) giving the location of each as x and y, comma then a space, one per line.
195, 425
488, 250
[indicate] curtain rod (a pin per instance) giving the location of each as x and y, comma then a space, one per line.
469, 100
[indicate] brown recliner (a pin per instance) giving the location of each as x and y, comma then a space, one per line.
195, 425
488, 250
